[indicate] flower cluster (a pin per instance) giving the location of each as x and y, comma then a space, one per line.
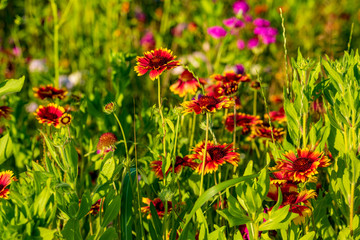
260, 28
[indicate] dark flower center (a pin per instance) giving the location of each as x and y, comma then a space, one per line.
289, 198
50, 115
216, 153
158, 61
302, 164
207, 101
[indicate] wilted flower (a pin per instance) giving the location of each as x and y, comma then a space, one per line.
6, 178
206, 104
50, 114
242, 120
303, 166
95, 208
5, 112
159, 206
186, 83
180, 163
216, 155
106, 143
156, 61
49, 92
216, 32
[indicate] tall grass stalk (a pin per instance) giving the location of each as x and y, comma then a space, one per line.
205, 153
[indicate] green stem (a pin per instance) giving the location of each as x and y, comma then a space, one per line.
352, 198
137, 179
304, 130
125, 143
254, 103
234, 132
56, 43
192, 131
205, 153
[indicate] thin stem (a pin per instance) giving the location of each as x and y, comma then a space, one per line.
162, 118
304, 130
56, 43
205, 153
352, 198
220, 196
254, 103
234, 132
192, 131
137, 178
125, 143
90, 225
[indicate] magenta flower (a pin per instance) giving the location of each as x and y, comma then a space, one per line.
217, 32
233, 23
240, 7
240, 44
253, 43
259, 22
148, 41
239, 69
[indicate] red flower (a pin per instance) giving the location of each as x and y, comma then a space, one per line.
5, 112
278, 116
276, 99
186, 83
156, 61
95, 208
180, 163
50, 114
50, 92
159, 206
302, 167
268, 132
242, 120
206, 103
216, 155
6, 177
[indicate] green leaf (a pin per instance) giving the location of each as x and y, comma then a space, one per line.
112, 210
278, 219
46, 233
107, 171
6, 148
109, 234
156, 220
207, 195
51, 149
308, 236
72, 159
11, 86
234, 219
334, 76
71, 230
85, 205
126, 217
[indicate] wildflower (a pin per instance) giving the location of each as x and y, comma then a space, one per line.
6, 177
37, 65
216, 155
50, 92
295, 199
276, 99
217, 32
65, 119
206, 103
95, 208
255, 85
50, 114
186, 83
242, 120
155, 61
240, 7
106, 142
5, 112
303, 166
147, 42
180, 163
240, 44
229, 82
268, 132
159, 206
110, 108
239, 68
252, 43
233, 22
266, 33
278, 116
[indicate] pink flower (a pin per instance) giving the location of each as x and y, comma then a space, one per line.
217, 32
253, 43
240, 7
240, 44
233, 23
